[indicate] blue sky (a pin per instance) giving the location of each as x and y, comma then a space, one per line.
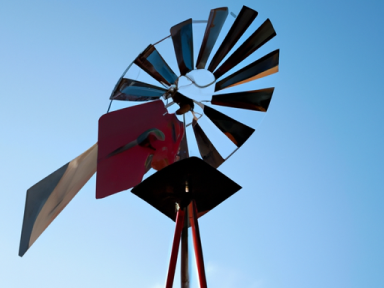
310, 213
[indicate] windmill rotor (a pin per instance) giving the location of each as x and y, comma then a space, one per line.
135, 139
151, 61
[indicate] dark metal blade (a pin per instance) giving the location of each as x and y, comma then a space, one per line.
215, 23
242, 22
151, 62
254, 42
133, 90
237, 132
257, 100
182, 38
207, 151
265, 66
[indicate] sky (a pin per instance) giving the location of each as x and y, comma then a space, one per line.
310, 213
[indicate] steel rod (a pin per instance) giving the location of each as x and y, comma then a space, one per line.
184, 257
175, 247
197, 246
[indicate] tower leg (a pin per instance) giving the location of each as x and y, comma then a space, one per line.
197, 245
175, 247
184, 253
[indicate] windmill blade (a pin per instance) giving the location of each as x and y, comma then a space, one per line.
257, 100
242, 22
46, 199
207, 151
133, 90
237, 132
265, 66
261, 36
215, 24
151, 62
182, 38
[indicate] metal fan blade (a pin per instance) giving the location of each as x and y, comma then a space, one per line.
215, 23
133, 90
237, 132
242, 22
254, 42
182, 38
265, 66
151, 62
46, 199
257, 100
207, 151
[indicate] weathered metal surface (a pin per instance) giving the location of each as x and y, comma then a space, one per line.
215, 24
207, 151
237, 132
265, 66
133, 90
182, 37
151, 62
261, 36
257, 100
242, 22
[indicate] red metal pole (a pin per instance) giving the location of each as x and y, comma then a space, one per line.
184, 257
175, 247
197, 245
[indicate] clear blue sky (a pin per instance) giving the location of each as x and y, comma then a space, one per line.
310, 213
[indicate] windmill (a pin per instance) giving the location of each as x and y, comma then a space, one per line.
184, 188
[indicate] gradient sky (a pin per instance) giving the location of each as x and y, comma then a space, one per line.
310, 213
